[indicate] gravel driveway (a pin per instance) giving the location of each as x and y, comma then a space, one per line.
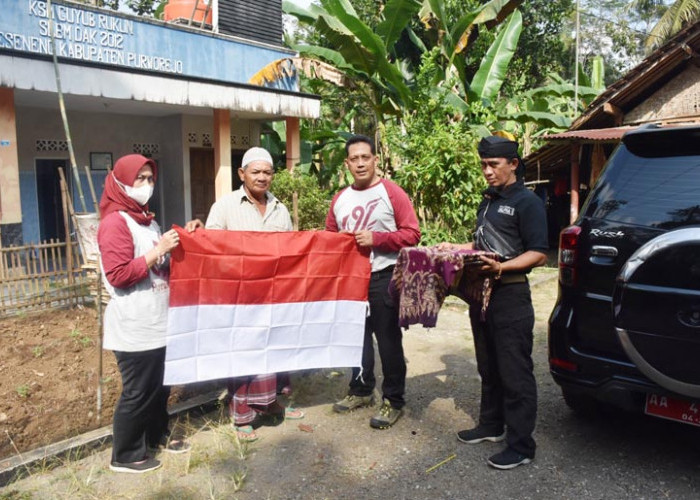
328, 456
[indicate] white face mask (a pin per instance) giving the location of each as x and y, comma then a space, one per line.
140, 195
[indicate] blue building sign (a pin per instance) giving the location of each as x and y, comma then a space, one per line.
104, 37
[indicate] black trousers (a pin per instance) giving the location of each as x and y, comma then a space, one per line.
141, 415
503, 344
383, 322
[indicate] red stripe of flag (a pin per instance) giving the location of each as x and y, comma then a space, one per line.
247, 267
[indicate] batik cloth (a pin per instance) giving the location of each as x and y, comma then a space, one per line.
423, 277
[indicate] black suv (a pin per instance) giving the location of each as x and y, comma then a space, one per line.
626, 326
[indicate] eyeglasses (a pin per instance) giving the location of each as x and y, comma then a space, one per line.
147, 178
356, 159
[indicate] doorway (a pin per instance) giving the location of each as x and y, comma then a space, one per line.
202, 179
48, 192
202, 173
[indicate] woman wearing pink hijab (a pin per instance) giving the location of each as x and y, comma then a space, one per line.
135, 263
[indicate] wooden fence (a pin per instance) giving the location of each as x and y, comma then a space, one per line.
41, 276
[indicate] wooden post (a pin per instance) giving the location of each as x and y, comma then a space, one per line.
98, 271
66, 225
92, 191
293, 158
575, 182
295, 210
10, 198
293, 143
222, 153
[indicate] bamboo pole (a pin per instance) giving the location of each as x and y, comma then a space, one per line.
3, 270
13, 286
66, 225
98, 287
295, 210
62, 106
45, 267
55, 257
92, 191
35, 280
100, 331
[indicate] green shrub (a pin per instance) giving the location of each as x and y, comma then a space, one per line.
436, 162
313, 202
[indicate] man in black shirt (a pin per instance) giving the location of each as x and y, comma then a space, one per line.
511, 221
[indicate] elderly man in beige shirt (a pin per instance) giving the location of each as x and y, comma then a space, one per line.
252, 208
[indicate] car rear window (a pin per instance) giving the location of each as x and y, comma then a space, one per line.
660, 192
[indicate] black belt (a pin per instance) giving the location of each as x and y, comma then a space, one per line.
508, 279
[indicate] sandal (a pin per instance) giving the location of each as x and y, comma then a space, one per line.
293, 413
176, 446
245, 433
170, 445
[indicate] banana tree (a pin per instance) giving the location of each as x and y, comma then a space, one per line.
360, 53
456, 38
368, 58
551, 108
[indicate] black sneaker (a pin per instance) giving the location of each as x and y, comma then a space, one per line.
479, 435
140, 467
508, 459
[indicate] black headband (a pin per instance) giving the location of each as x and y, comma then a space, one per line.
497, 147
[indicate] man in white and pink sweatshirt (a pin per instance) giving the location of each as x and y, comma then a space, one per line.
381, 216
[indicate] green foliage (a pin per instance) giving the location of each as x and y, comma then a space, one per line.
492, 71
147, 7
313, 202
439, 164
541, 48
441, 175
23, 391
79, 338
678, 15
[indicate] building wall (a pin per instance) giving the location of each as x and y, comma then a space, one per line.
678, 100
165, 139
172, 207
40, 134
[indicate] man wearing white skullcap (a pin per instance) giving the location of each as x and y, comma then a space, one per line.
252, 208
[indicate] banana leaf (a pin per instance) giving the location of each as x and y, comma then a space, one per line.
492, 71
397, 15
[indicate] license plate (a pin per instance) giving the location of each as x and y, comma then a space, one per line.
673, 409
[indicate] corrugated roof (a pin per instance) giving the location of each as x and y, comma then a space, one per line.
613, 134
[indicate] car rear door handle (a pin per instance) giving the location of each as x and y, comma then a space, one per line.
603, 251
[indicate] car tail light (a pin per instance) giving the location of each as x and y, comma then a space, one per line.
568, 255
563, 364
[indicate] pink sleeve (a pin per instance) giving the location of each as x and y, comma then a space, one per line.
331, 223
407, 232
116, 244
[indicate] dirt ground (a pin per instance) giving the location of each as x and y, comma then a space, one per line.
330, 456
49, 378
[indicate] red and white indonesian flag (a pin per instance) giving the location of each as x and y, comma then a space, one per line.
249, 303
